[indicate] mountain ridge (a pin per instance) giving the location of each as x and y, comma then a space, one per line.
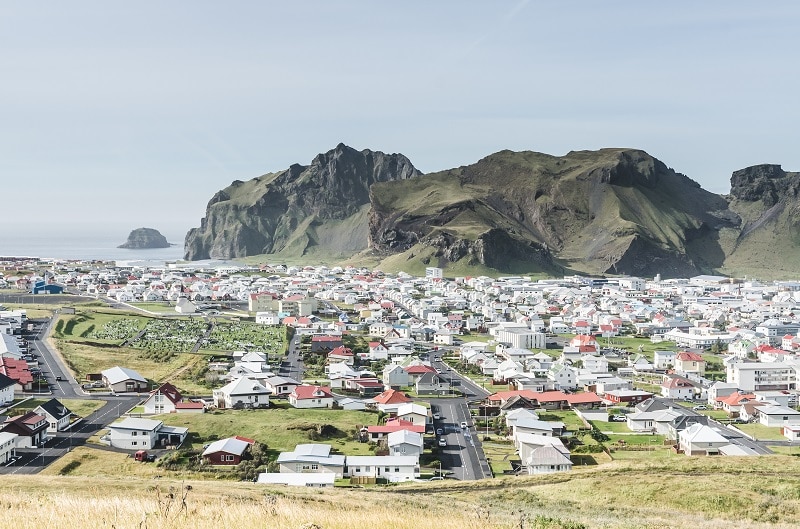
609, 211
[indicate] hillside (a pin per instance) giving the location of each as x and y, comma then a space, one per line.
711, 493
611, 211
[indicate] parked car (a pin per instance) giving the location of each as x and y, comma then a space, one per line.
700, 407
618, 418
437, 416
439, 431
442, 441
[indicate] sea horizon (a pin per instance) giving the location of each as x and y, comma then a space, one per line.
83, 245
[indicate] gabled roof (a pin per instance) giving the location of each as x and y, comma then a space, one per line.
404, 437
548, 456
393, 425
118, 374
687, 356
169, 391
55, 409
6, 382
231, 445
391, 396
311, 392
419, 369
135, 423
244, 386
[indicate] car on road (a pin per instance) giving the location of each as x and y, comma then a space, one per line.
59, 378
435, 478
464, 425
442, 441
439, 431
700, 407
437, 416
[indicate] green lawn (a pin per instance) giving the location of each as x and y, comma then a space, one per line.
164, 306
499, 455
80, 407
761, 432
614, 427
568, 417
279, 428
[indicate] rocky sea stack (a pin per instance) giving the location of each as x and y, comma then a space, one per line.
145, 238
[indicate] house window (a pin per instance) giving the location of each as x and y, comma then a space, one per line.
314, 467
133, 443
134, 434
396, 469
366, 469
386, 469
227, 457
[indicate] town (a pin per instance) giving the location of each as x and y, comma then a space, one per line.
319, 376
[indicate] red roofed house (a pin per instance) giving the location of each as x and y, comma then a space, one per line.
583, 340
416, 371
18, 371
311, 397
688, 362
167, 399
324, 343
376, 433
30, 428
733, 403
676, 387
341, 355
389, 400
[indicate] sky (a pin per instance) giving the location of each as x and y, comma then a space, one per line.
118, 115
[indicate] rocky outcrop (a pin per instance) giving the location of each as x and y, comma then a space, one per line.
288, 210
145, 238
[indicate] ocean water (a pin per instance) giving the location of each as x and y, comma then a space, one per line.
79, 244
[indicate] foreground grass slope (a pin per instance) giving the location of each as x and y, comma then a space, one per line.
688, 493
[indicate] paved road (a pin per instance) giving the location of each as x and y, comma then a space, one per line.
50, 363
463, 455
292, 365
34, 460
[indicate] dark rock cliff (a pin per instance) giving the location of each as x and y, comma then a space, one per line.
144, 238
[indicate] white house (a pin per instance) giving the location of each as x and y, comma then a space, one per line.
268, 318
241, 393
413, 413
6, 389
404, 443
8, 442
57, 415
311, 397
311, 458
770, 415
392, 468
699, 439
316, 480
142, 434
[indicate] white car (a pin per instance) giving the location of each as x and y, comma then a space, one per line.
464, 425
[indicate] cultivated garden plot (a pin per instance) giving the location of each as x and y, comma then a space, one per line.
238, 336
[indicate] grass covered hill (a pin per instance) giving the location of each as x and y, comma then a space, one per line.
610, 211
713, 493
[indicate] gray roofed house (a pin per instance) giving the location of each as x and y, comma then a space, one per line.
546, 460
57, 415
124, 380
312, 458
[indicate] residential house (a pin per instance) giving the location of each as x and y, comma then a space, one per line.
394, 376
699, 439
8, 444
404, 443
57, 415
227, 452
762, 376
379, 432
527, 444
688, 362
311, 458
565, 377
163, 399
325, 343
280, 386
31, 429
6, 389
733, 403
123, 380
413, 413
432, 384
394, 469
770, 415
311, 397
18, 371
676, 387
546, 460
663, 360
389, 400
241, 393
626, 396
142, 434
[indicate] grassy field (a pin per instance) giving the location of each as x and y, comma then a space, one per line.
761, 432
80, 407
499, 455
279, 428
668, 493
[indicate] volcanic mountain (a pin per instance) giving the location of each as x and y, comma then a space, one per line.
611, 211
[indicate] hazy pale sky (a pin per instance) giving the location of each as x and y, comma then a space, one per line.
129, 114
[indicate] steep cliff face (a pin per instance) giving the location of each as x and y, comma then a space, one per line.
145, 238
294, 209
